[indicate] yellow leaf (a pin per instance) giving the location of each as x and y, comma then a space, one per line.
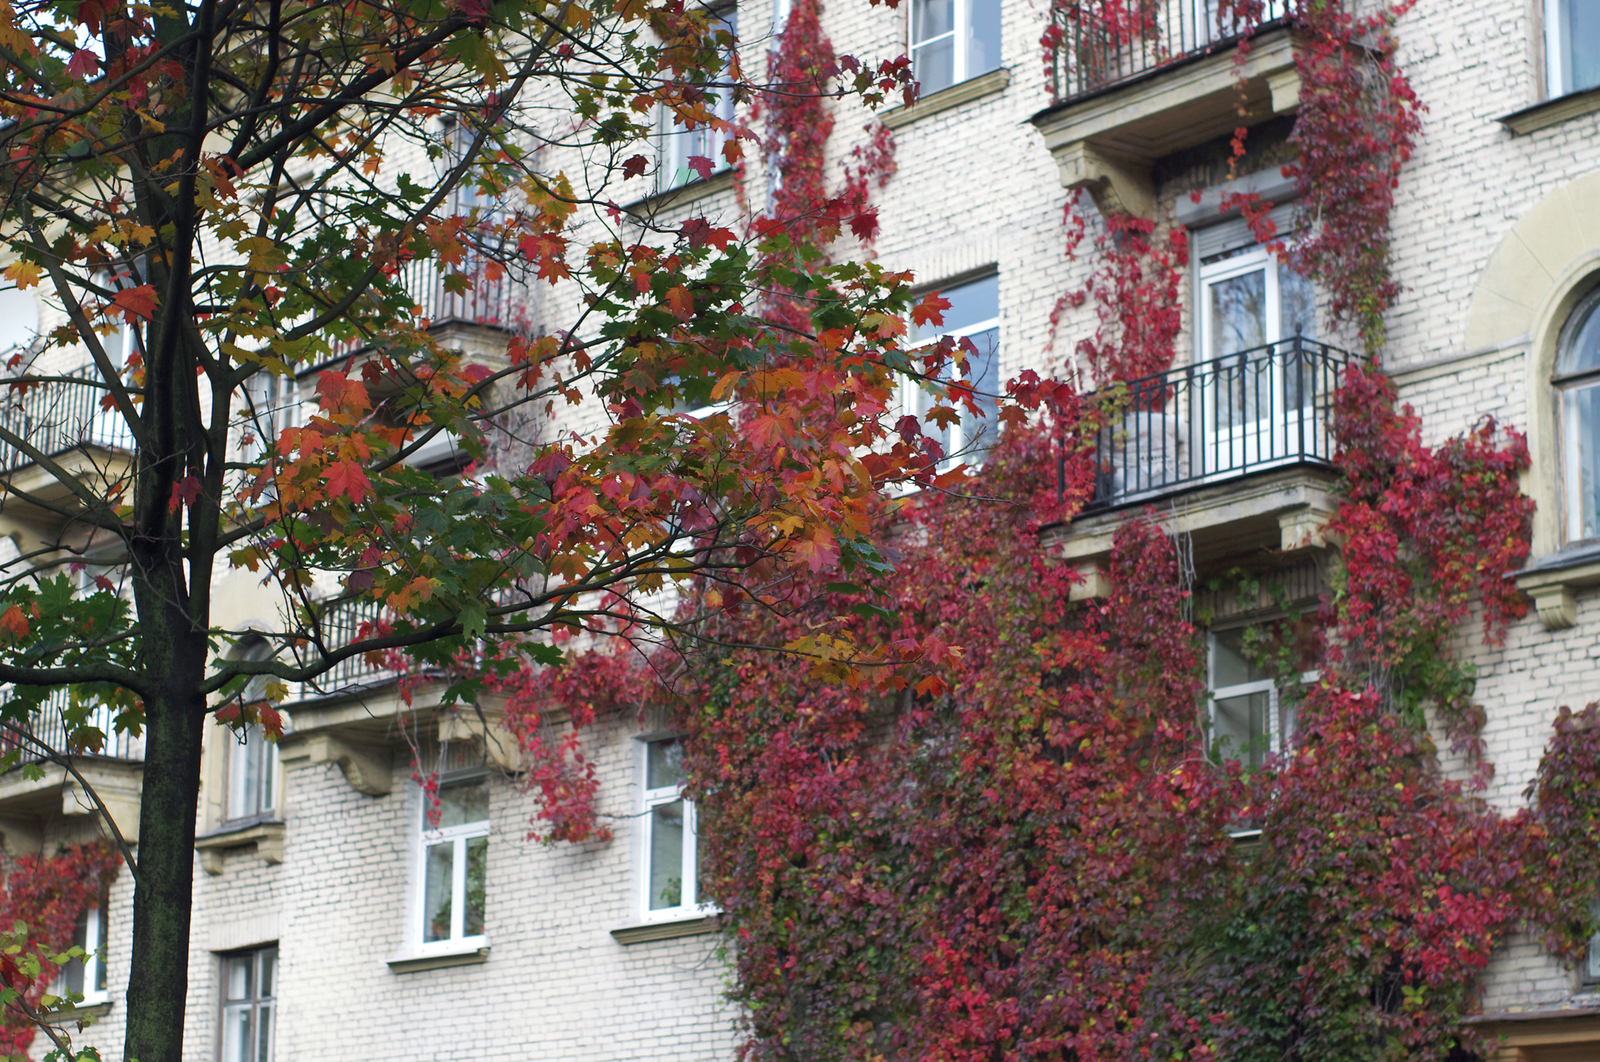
23, 274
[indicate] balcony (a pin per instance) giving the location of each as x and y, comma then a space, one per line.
32, 808
1101, 43
499, 305
1237, 452
1133, 86
64, 420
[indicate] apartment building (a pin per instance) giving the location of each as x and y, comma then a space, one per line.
332, 918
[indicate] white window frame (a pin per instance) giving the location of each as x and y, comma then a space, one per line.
458, 837
961, 30
255, 1003
244, 800
689, 905
676, 145
916, 399
1278, 742
1567, 387
95, 930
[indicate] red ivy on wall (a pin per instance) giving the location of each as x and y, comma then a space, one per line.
48, 894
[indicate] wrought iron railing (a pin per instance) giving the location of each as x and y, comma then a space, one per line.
58, 417
339, 627
1098, 43
47, 727
493, 303
1220, 419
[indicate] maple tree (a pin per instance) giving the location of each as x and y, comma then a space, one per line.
217, 199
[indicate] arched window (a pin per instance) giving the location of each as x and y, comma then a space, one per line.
1577, 379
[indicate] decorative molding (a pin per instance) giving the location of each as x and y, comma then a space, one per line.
1551, 582
683, 927
265, 837
439, 962
1551, 112
943, 100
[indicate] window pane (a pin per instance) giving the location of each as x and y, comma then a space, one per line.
244, 778
269, 973
970, 304
930, 18
1239, 728
983, 371
477, 881
463, 802
1580, 342
97, 963
438, 879
1230, 666
236, 1034
1297, 305
935, 64
269, 774
1582, 423
264, 1033
1238, 313
239, 977
983, 48
666, 856
1583, 44
664, 764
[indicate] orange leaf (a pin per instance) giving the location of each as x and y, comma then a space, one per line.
14, 622
137, 304
681, 303
349, 478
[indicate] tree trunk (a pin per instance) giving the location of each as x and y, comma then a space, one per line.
159, 985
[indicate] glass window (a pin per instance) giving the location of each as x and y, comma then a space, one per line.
953, 40
249, 987
669, 874
973, 316
455, 866
1572, 46
86, 977
679, 143
274, 404
252, 775
1251, 716
1578, 382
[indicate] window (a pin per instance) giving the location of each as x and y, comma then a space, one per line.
1591, 965
455, 866
679, 144
249, 986
953, 40
273, 405
86, 977
974, 315
1577, 380
1251, 716
252, 775
671, 887
1571, 46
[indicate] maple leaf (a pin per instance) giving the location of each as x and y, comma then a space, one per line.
137, 304
635, 166
14, 622
23, 273
349, 479
701, 166
865, 225
338, 391
184, 493
680, 302
83, 65
930, 310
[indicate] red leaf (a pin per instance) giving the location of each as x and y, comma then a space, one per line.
137, 304
634, 166
348, 478
83, 65
930, 310
184, 493
865, 225
700, 165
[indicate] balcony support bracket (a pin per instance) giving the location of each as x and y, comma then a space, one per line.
1117, 186
368, 770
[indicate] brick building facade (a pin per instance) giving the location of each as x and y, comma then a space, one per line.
313, 914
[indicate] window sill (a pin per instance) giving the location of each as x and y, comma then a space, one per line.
682, 927
265, 837
1552, 112
946, 98
86, 1012
1551, 580
683, 194
417, 963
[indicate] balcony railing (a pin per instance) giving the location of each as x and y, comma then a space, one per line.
57, 418
1100, 43
492, 303
1219, 420
340, 626
47, 726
